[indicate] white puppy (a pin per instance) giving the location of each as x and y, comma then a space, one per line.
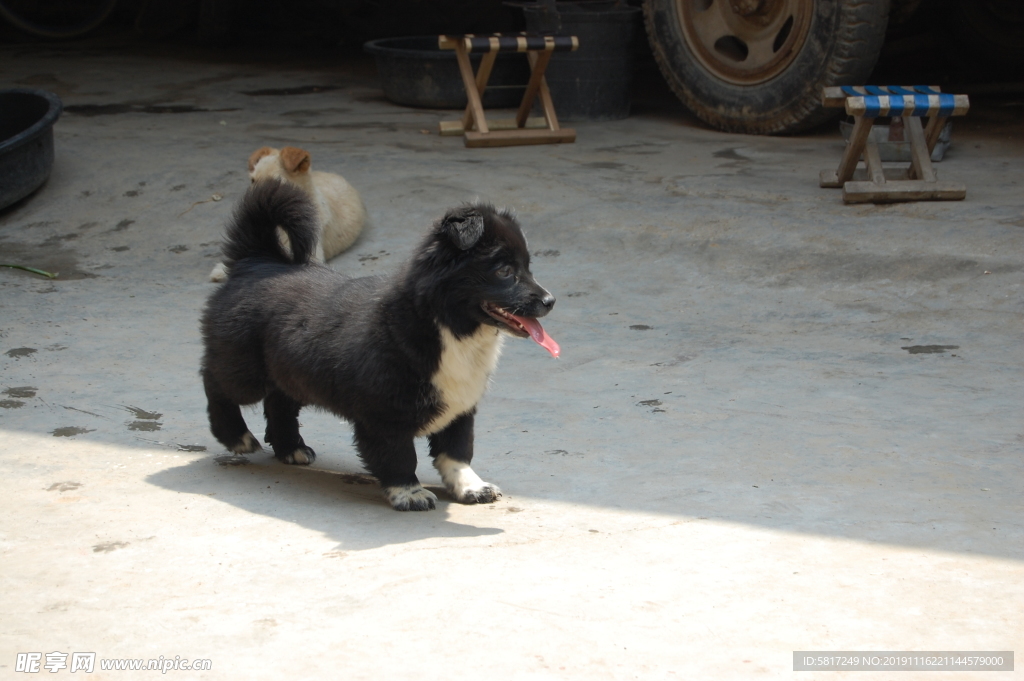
342, 214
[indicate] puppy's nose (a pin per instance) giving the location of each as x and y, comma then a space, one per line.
548, 301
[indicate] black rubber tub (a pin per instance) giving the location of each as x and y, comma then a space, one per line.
26, 141
414, 71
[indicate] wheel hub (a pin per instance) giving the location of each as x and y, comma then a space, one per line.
745, 41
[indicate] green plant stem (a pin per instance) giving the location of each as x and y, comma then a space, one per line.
33, 270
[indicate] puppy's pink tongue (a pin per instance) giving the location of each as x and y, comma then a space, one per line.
539, 335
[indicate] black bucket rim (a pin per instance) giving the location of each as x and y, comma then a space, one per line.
376, 47
53, 112
577, 9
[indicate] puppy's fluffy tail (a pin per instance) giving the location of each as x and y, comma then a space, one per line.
269, 204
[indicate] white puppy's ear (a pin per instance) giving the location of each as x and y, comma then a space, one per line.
463, 226
295, 160
257, 155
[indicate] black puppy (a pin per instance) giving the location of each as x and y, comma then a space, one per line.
399, 357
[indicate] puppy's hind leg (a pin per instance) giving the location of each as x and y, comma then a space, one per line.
391, 458
226, 422
282, 434
452, 450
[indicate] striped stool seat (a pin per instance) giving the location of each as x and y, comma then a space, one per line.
911, 103
513, 43
874, 101
474, 126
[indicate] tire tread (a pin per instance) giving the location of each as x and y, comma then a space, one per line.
859, 33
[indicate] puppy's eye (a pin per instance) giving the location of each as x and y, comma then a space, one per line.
505, 272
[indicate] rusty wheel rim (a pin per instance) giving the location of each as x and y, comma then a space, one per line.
745, 42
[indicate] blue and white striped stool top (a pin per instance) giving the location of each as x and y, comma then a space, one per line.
862, 90
872, 101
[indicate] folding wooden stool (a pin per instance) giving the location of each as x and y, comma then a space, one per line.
878, 185
523, 129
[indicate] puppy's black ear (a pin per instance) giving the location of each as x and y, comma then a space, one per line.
463, 226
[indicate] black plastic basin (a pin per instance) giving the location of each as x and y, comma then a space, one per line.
416, 72
26, 141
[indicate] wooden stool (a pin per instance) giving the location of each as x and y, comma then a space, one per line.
878, 185
523, 129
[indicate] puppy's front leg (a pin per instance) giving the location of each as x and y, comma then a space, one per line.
391, 458
452, 449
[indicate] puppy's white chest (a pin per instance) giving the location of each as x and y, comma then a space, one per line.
462, 376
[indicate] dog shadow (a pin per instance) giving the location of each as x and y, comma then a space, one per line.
345, 506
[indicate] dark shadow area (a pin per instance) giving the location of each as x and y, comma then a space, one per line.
345, 507
301, 25
963, 46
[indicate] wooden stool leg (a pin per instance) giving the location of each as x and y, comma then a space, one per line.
854, 149
545, 97
483, 74
536, 78
874, 162
920, 158
475, 107
932, 132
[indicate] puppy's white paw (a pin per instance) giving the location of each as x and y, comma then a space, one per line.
302, 456
219, 273
247, 444
485, 493
410, 498
463, 483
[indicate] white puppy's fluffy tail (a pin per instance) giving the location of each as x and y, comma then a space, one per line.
267, 205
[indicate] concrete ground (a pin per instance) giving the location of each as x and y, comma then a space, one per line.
779, 423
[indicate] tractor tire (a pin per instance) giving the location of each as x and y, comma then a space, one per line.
758, 66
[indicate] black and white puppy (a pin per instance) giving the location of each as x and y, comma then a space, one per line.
398, 356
